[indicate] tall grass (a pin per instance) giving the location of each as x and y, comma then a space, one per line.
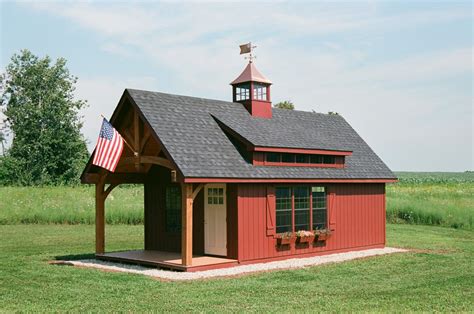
68, 205
444, 199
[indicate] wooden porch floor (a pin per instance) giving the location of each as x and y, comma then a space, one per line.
168, 260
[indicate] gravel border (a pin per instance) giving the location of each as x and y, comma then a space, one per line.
231, 271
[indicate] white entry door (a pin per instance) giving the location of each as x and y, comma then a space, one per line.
215, 220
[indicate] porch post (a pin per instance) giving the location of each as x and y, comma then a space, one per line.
187, 224
99, 219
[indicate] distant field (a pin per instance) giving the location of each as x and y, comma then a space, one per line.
444, 199
68, 205
432, 198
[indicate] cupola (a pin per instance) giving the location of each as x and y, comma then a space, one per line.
252, 90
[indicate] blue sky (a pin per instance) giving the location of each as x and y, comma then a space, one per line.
399, 71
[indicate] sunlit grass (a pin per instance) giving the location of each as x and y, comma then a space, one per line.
443, 204
68, 205
444, 199
436, 276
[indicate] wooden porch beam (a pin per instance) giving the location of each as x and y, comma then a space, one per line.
100, 214
197, 190
187, 224
149, 160
109, 189
100, 196
136, 142
117, 178
146, 137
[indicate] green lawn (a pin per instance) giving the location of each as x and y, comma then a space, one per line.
436, 276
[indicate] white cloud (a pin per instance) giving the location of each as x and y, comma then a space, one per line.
398, 105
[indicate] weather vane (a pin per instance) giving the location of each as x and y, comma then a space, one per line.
248, 48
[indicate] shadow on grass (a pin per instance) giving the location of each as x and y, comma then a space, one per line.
75, 257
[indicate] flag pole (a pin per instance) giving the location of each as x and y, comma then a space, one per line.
124, 140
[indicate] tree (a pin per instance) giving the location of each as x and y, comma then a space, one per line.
37, 98
2, 141
287, 104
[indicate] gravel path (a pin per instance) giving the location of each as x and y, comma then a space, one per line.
233, 271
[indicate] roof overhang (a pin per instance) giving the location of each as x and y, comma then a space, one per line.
250, 180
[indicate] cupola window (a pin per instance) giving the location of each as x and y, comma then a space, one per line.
259, 91
242, 92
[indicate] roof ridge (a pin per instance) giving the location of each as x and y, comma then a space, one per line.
180, 95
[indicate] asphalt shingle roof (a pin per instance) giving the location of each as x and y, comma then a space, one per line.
188, 129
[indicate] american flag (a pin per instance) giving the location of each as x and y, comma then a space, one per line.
109, 147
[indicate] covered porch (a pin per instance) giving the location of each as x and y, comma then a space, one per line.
146, 161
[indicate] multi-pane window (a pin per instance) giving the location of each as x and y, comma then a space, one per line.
273, 157
316, 159
300, 158
173, 208
259, 91
301, 208
215, 196
290, 158
283, 210
300, 196
329, 160
242, 92
319, 207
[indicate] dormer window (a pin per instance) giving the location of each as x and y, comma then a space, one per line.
288, 157
259, 91
242, 92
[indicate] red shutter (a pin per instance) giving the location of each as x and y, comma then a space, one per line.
332, 209
271, 211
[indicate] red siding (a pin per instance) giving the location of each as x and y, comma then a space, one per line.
356, 213
232, 243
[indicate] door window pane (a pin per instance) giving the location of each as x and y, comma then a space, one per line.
215, 196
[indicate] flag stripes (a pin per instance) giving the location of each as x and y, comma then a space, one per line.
109, 147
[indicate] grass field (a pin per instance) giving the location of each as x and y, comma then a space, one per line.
436, 276
68, 205
444, 199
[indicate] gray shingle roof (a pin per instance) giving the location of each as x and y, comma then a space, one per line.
200, 148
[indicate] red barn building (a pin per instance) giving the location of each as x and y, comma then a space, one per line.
231, 183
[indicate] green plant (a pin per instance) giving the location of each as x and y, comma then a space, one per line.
286, 235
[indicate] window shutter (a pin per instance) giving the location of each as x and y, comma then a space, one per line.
271, 211
332, 209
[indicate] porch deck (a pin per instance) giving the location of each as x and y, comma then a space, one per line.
167, 260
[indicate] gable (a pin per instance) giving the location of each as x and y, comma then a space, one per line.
142, 148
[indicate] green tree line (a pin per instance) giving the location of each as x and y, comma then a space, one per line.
42, 116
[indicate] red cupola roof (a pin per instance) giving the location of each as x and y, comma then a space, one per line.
251, 74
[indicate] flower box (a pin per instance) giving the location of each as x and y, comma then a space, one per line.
303, 236
305, 239
322, 235
285, 238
